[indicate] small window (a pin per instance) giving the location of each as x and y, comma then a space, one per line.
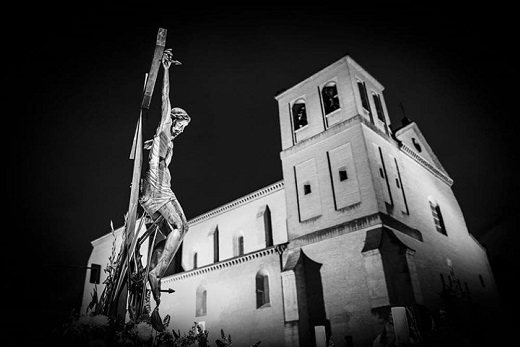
330, 97
299, 112
95, 273
268, 227
379, 107
364, 97
195, 256
416, 145
262, 289
240, 245
216, 245
437, 217
201, 302
381, 172
343, 174
399, 183
307, 189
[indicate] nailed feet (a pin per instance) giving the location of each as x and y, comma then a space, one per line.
155, 285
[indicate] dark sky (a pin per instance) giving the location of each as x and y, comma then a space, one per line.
80, 88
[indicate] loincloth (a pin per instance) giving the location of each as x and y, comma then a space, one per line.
155, 192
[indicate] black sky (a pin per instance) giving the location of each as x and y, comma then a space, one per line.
80, 87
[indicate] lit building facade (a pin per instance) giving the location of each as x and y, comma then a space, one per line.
363, 220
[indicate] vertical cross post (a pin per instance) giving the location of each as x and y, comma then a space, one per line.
115, 298
137, 146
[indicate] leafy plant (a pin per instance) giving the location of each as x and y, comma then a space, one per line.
226, 341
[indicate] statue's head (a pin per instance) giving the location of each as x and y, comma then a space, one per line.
180, 120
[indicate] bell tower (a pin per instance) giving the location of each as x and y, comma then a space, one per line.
325, 166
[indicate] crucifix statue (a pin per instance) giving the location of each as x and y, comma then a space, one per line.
157, 197
126, 282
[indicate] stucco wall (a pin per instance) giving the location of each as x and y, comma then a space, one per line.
231, 299
241, 217
101, 251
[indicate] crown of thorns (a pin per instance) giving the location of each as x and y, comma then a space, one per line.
179, 113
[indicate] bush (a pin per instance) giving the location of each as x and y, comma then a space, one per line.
99, 330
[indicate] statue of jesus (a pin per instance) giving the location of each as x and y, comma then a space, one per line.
157, 197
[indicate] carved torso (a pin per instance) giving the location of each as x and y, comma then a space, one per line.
157, 185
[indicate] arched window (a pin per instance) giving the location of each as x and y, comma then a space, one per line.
195, 256
416, 145
214, 238
240, 242
238, 245
437, 216
268, 227
262, 289
201, 302
329, 95
379, 107
264, 222
364, 98
299, 113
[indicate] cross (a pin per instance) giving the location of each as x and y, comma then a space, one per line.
136, 152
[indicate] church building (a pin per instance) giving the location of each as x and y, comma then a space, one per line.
363, 220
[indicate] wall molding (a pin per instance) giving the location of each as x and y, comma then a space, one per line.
369, 221
423, 162
226, 263
238, 202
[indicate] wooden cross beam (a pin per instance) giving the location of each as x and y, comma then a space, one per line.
123, 273
137, 147
151, 77
154, 69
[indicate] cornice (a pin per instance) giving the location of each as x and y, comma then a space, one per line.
419, 159
238, 202
364, 223
284, 93
347, 60
365, 72
226, 263
411, 153
333, 130
314, 139
343, 228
